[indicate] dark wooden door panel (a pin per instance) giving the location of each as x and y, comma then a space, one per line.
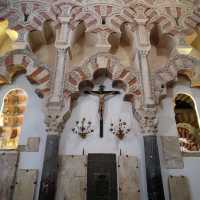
101, 177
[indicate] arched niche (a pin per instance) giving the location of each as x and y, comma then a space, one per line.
99, 65
12, 116
98, 78
187, 120
86, 106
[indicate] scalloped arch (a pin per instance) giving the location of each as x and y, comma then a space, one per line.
21, 61
113, 68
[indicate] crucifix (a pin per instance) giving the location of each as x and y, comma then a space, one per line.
101, 93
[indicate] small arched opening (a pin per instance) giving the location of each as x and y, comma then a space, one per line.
187, 121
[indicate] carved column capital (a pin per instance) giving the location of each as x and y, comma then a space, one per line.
143, 52
64, 19
52, 122
148, 120
53, 118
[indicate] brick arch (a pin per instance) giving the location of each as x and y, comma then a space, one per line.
77, 13
21, 61
178, 64
110, 66
38, 14
175, 17
185, 131
125, 16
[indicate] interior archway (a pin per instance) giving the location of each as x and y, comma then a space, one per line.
187, 121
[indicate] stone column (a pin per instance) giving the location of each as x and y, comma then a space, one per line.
142, 48
54, 112
50, 168
148, 121
148, 112
62, 60
153, 170
145, 77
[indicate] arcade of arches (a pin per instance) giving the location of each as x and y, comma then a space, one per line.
100, 100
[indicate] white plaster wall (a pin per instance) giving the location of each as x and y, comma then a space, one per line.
115, 108
33, 126
167, 127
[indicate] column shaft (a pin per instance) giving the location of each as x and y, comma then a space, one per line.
145, 77
50, 168
59, 75
153, 170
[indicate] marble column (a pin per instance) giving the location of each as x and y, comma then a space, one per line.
149, 121
50, 168
153, 170
145, 77
142, 46
62, 60
55, 110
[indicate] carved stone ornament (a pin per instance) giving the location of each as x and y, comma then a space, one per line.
56, 118
148, 120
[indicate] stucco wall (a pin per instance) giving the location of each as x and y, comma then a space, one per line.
167, 127
115, 108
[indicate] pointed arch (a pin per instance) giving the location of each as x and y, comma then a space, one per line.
12, 114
